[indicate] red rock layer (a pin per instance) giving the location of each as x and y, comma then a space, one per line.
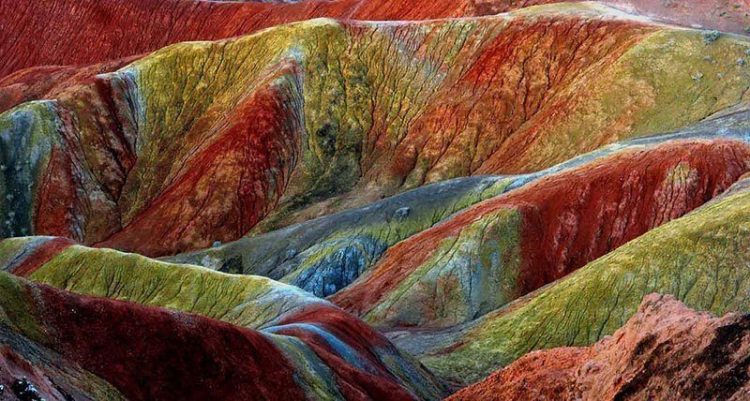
151, 354
14, 367
46, 82
576, 216
30, 372
87, 168
494, 111
489, 120
41, 255
57, 43
76, 32
56, 211
335, 321
666, 351
155, 354
230, 183
355, 384
223, 186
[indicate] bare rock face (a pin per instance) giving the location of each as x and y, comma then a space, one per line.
666, 351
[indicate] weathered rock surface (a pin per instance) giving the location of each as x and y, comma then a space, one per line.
209, 141
75, 32
503, 248
479, 179
236, 322
699, 258
31, 372
666, 351
326, 254
353, 241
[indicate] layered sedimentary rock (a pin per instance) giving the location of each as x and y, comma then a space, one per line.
464, 181
234, 328
326, 254
46, 82
508, 246
69, 32
205, 142
698, 258
666, 351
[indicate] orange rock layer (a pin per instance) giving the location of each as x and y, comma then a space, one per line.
666, 351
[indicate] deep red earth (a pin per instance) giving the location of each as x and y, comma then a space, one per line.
151, 353
228, 184
356, 384
46, 82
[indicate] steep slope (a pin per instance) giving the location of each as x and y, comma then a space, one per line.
479, 179
665, 351
305, 120
46, 82
466, 181
508, 246
326, 254
70, 32
148, 354
28, 370
698, 258
330, 353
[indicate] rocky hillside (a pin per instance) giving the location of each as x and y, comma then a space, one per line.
225, 337
208, 141
665, 351
373, 200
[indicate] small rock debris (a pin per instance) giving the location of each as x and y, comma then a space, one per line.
25, 390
